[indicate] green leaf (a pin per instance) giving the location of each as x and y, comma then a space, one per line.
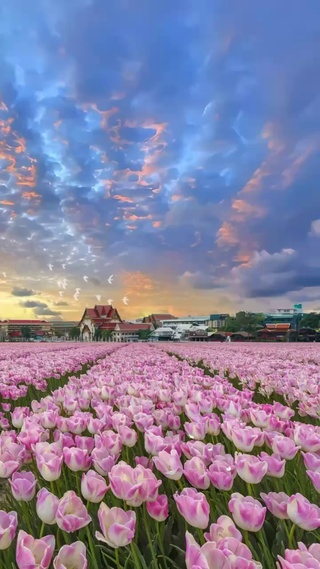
280, 539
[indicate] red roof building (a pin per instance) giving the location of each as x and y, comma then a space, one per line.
155, 319
101, 317
128, 332
13, 329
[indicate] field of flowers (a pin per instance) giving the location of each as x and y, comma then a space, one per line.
159, 456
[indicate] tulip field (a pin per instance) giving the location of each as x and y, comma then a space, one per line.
159, 456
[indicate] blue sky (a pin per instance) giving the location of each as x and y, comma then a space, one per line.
173, 144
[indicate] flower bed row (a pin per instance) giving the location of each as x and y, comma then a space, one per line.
146, 461
289, 370
33, 366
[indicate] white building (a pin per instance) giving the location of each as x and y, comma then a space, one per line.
128, 332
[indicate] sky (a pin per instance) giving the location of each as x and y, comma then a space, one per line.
173, 144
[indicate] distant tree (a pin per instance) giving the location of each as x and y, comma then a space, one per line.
74, 333
311, 320
98, 335
106, 335
26, 333
244, 322
144, 334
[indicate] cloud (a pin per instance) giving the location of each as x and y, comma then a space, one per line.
40, 308
315, 228
46, 312
17, 291
61, 303
33, 304
183, 141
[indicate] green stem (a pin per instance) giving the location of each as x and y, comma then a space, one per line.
137, 564
154, 557
91, 547
201, 537
26, 516
42, 530
117, 559
160, 542
290, 537
249, 488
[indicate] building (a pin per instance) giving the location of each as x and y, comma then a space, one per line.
62, 329
12, 330
279, 323
203, 321
284, 316
156, 319
218, 321
100, 318
162, 334
128, 332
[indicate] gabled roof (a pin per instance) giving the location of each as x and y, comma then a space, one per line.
278, 326
128, 327
157, 317
24, 322
107, 325
101, 313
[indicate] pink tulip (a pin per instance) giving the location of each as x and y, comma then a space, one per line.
17, 416
23, 486
109, 441
169, 464
315, 479
244, 439
223, 528
103, 461
284, 446
76, 424
247, 512
93, 487
85, 443
159, 509
196, 430
8, 528
301, 558
48, 419
276, 465
208, 556
259, 418
282, 411
47, 505
277, 504
34, 553
71, 513
193, 506
143, 421
61, 441
72, 556
117, 526
76, 459
153, 443
221, 475
311, 461
144, 461
134, 485
213, 424
128, 436
306, 437
94, 426
49, 465
196, 473
302, 513
250, 468
7, 467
